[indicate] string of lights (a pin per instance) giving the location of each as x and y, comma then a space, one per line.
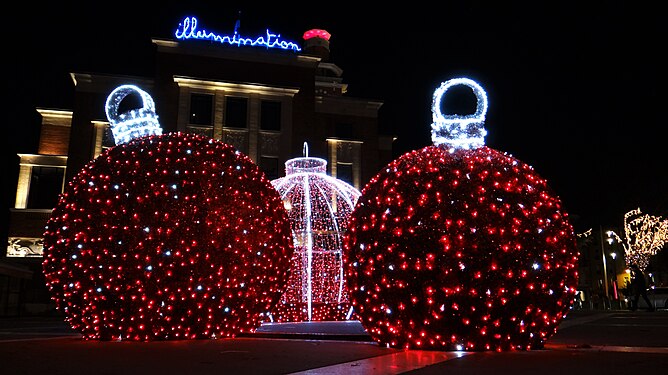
457, 246
644, 236
173, 236
319, 207
135, 123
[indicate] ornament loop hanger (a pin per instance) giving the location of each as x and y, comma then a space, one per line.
455, 131
305, 164
134, 123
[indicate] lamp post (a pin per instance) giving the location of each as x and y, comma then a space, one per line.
605, 271
651, 290
615, 286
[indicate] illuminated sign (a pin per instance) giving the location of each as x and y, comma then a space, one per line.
188, 30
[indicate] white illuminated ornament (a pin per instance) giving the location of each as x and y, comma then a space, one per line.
134, 123
319, 208
454, 131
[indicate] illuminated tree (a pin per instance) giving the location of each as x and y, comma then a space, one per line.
319, 208
644, 236
458, 246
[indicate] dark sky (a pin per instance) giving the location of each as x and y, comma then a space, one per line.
573, 89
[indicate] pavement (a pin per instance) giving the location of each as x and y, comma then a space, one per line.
587, 342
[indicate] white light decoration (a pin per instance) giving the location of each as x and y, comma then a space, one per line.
188, 30
456, 131
319, 208
644, 236
133, 123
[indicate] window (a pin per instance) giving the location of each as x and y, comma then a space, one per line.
236, 112
201, 109
344, 131
344, 172
269, 166
46, 184
270, 115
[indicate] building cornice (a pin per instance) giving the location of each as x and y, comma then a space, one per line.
342, 105
246, 88
249, 54
55, 113
331, 67
103, 83
339, 140
43, 160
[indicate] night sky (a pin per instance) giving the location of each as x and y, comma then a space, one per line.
573, 90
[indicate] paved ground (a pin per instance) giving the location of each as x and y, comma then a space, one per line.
587, 342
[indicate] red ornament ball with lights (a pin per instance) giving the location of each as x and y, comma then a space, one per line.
175, 236
458, 246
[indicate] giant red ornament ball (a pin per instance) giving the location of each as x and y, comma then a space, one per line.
460, 248
176, 236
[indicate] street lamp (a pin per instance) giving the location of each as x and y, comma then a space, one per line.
613, 255
605, 270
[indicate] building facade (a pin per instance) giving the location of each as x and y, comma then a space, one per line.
266, 102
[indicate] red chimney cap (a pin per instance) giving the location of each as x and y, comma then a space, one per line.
317, 33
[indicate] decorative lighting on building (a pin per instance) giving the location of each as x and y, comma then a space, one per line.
319, 208
317, 33
458, 246
188, 30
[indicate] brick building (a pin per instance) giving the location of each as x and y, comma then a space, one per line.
264, 101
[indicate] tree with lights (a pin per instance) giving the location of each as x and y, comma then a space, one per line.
644, 236
166, 236
458, 246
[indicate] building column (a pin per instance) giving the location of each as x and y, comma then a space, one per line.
23, 186
183, 111
218, 114
98, 135
253, 127
357, 165
333, 148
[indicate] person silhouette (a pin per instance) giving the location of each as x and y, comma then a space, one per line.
639, 288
